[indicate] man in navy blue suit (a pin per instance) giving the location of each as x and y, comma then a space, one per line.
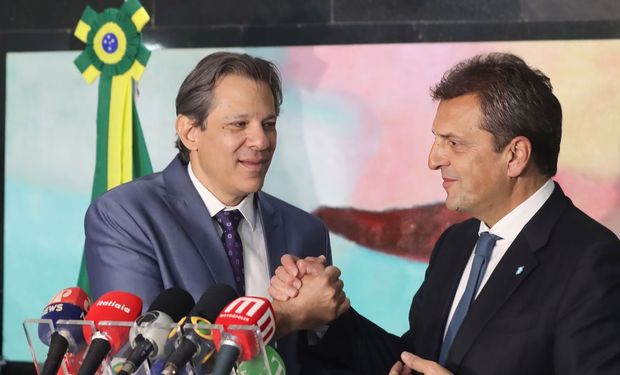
530, 285
166, 229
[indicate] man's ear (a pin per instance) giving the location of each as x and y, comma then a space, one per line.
519, 154
186, 130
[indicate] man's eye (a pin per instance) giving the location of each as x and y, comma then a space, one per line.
451, 143
269, 125
239, 124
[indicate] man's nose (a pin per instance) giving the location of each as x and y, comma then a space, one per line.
257, 137
436, 157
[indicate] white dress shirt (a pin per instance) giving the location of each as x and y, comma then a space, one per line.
507, 228
255, 262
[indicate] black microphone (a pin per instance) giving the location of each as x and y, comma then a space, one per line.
68, 304
198, 343
149, 333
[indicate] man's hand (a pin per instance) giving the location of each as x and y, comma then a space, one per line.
400, 369
320, 300
287, 280
413, 362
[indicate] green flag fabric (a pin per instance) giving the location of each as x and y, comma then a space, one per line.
114, 52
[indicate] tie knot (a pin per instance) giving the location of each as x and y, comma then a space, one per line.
228, 220
485, 244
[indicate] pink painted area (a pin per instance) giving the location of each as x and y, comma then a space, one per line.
393, 82
388, 85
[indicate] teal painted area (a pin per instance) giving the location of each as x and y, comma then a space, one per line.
314, 153
380, 286
43, 240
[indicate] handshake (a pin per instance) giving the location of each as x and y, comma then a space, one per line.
307, 294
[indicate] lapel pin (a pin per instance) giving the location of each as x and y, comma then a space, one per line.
519, 270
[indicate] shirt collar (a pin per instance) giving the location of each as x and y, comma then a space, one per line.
510, 225
214, 205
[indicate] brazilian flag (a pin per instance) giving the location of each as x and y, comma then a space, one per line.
114, 52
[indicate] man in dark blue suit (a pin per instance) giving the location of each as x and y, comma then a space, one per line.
531, 284
170, 228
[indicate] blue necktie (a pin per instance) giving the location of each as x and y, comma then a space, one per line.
482, 254
229, 221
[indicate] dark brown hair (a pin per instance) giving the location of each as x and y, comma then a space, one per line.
196, 92
515, 99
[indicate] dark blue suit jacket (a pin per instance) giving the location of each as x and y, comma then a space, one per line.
551, 306
155, 232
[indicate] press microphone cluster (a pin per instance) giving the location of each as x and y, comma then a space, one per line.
207, 350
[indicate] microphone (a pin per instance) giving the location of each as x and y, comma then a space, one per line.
197, 343
242, 344
114, 306
257, 365
149, 333
68, 304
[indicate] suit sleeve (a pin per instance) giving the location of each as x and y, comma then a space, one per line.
328, 246
356, 344
588, 327
119, 255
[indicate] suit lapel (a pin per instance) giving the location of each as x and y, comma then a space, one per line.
518, 262
273, 231
502, 283
455, 255
186, 204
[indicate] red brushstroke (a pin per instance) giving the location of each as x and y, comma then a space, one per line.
410, 233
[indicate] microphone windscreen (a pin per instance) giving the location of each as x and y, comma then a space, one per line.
68, 304
247, 311
174, 302
150, 331
257, 365
250, 311
56, 312
113, 306
74, 295
213, 301
197, 342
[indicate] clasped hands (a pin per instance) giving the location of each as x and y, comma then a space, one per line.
307, 295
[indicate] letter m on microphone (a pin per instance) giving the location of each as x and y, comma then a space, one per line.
251, 311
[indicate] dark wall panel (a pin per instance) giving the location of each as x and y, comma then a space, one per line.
297, 22
42, 14
399, 10
241, 12
570, 10
328, 34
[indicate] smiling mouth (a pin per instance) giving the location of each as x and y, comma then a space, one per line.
447, 182
254, 165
